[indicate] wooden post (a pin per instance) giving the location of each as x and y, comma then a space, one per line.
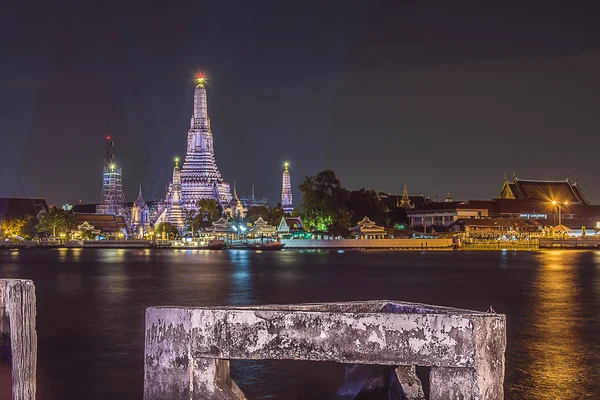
17, 303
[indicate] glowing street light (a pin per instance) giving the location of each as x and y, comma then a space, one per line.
557, 204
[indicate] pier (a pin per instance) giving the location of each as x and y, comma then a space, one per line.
573, 243
18, 338
188, 350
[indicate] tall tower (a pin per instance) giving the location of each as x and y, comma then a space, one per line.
113, 198
200, 178
405, 200
286, 190
175, 211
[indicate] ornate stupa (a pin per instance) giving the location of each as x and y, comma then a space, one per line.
174, 208
286, 190
140, 215
200, 178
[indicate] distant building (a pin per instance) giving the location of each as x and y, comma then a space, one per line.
140, 216
404, 200
443, 214
290, 225
105, 223
174, 208
562, 191
476, 226
236, 209
20, 207
252, 201
113, 198
367, 229
200, 177
286, 190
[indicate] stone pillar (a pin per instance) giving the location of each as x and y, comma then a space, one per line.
17, 318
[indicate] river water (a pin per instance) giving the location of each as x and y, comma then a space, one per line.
91, 307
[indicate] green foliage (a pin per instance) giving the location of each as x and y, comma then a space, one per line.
272, 215
192, 220
323, 205
209, 210
56, 221
327, 206
170, 231
365, 203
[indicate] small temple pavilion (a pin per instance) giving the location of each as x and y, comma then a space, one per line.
261, 228
367, 229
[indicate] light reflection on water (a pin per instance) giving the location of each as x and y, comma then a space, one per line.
558, 351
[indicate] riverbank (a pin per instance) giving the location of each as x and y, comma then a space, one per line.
391, 244
333, 244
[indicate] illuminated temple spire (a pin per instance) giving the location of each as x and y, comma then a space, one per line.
286, 190
405, 200
175, 211
200, 178
113, 198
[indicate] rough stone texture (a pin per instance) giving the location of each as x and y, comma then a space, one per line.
186, 347
453, 384
17, 317
410, 382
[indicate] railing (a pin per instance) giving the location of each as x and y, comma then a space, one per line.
187, 350
17, 330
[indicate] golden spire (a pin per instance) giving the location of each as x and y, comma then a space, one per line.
201, 80
405, 201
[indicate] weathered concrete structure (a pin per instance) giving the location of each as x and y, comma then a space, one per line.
188, 350
17, 319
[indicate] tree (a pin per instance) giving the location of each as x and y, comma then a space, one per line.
257, 212
192, 220
29, 231
170, 231
275, 215
13, 228
323, 203
365, 203
56, 220
209, 210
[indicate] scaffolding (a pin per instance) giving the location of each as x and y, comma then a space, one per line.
113, 198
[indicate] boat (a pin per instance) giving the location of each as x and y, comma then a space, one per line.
270, 246
216, 244
258, 246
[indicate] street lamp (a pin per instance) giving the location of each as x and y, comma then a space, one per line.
557, 203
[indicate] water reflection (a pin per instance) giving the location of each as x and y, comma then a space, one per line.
241, 278
556, 348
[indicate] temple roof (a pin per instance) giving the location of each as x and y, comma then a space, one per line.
140, 202
554, 190
16, 207
103, 222
261, 226
367, 226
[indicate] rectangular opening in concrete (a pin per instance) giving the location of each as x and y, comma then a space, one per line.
287, 379
300, 380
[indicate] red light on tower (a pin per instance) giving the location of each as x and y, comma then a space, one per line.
107, 138
200, 76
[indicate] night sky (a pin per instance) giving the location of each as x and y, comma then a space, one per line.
452, 96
